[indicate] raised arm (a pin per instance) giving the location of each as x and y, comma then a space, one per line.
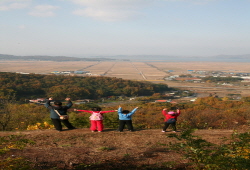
47, 103
120, 109
132, 112
178, 111
69, 104
164, 111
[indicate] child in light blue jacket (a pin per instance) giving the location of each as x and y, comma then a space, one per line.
125, 118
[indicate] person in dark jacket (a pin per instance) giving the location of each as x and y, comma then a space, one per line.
62, 110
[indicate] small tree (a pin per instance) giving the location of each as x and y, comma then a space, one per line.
5, 111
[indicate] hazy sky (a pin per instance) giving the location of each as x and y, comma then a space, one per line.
124, 27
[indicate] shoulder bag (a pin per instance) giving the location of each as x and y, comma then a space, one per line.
62, 117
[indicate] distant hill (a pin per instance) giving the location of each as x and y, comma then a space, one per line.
217, 58
166, 58
50, 58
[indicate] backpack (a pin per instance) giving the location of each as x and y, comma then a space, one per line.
171, 120
172, 113
96, 116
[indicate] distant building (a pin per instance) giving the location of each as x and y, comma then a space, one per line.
80, 72
163, 101
55, 72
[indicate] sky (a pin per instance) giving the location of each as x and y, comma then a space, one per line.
81, 28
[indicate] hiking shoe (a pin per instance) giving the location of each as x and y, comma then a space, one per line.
163, 131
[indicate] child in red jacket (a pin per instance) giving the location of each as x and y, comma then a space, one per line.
170, 118
96, 118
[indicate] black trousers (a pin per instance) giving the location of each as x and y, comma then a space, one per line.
122, 124
58, 125
166, 125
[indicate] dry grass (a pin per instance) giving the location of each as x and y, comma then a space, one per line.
68, 149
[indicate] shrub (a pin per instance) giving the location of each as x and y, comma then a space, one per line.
234, 153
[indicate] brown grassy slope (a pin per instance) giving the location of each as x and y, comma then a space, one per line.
70, 148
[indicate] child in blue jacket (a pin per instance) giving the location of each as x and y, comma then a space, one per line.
125, 118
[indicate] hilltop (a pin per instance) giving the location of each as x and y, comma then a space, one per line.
83, 149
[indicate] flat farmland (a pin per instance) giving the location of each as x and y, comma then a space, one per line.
125, 70
141, 71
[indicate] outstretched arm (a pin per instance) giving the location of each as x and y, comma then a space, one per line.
107, 111
88, 111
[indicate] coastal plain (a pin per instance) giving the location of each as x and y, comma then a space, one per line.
140, 71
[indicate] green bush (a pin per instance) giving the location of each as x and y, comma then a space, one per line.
234, 153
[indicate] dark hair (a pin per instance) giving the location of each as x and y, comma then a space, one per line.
125, 111
57, 103
96, 109
173, 108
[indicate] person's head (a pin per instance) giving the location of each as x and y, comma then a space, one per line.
57, 103
96, 109
125, 111
173, 108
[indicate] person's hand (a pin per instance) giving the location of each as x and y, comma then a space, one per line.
67, 99
165, 109
116, 110
75, 109
137, 107
50, 98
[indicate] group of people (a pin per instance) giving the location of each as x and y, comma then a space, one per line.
58, 115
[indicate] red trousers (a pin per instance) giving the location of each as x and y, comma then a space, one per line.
96, 125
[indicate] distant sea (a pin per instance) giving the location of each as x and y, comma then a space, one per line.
155, 58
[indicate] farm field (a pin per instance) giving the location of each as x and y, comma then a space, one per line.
123, 69
141, 71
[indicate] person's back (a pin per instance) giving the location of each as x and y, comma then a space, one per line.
57, 111
125, 118
170, 118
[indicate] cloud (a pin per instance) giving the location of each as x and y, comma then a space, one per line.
21, 26
106, 15
5, 6
43, 10
111, 10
